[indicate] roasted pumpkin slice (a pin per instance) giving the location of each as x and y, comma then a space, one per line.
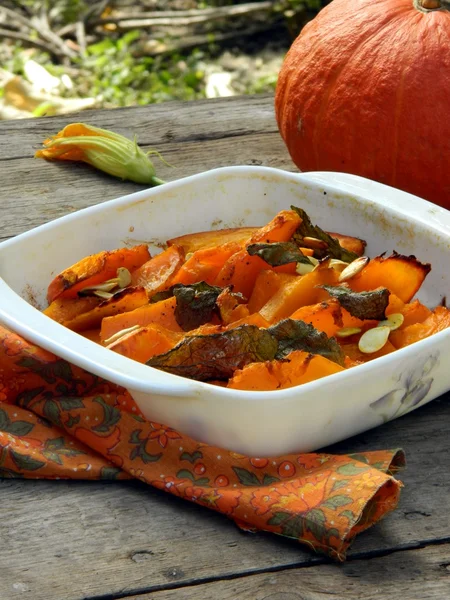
203, 240
297, 368
96, 269
161, 313
126, 300
402, 275
157, 274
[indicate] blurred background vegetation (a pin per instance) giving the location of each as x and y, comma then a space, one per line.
57, 56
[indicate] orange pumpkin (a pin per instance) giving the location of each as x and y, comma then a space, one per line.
365, 89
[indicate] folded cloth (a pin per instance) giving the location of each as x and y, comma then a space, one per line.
58, 421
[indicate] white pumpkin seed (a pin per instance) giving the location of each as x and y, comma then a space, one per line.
123, 277
373, 339
338, 265
102, 294
393, 321
347, 331
119, 334
303, 268
353, 268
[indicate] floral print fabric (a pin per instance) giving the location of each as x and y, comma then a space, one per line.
58, 421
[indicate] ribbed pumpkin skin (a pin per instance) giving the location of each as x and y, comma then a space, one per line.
365, 89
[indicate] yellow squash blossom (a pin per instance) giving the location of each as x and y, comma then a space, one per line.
103, 149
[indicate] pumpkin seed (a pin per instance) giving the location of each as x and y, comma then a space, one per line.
393, 321
123, 277
338, 265
121, 281
314, 243
353, 268
303, 268
347, 331
119, 334
102, 294
373, 339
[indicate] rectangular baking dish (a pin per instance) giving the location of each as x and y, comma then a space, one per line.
298, 419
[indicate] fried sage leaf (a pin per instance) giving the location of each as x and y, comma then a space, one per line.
293, 334
278, 253
363, 305
164, 295
217, 356
196, 304
307, 230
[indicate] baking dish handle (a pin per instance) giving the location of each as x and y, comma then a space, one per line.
406, 203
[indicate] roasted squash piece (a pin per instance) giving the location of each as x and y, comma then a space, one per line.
324, 316
253, 319
143, 343
230, 308
240, 272
414, 312
205, 264
157, 274
91, 334
355, 355
353, 244
161, 313
402, 275
299, 367
280, 229
96, 269
203, 240
438, 320
267, 283
301, 291
64, 310
127, 299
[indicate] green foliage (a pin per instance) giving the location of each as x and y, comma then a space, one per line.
121, 78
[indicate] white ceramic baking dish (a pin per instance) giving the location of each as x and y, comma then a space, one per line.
257, 423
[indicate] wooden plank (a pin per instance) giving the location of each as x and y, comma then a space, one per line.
123, 538
51, 190
413, 575
156, 124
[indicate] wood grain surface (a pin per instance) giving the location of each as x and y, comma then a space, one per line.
109, 541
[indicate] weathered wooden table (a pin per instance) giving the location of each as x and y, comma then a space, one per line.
109, 541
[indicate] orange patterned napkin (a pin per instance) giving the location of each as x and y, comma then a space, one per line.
58, 421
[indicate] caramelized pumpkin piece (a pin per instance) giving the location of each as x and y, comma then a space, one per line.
299, 292
96, 269
324, 316
353, 244
203, 240
158, 273
63, 310
143, 343
205, 264
298, 368
126, 300
280, 229
355, 355
438, 320
402, 275
161, 313
414, 312
91, 334
241, 270
230, 308
267, 283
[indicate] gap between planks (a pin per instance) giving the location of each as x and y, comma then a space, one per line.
398, 558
